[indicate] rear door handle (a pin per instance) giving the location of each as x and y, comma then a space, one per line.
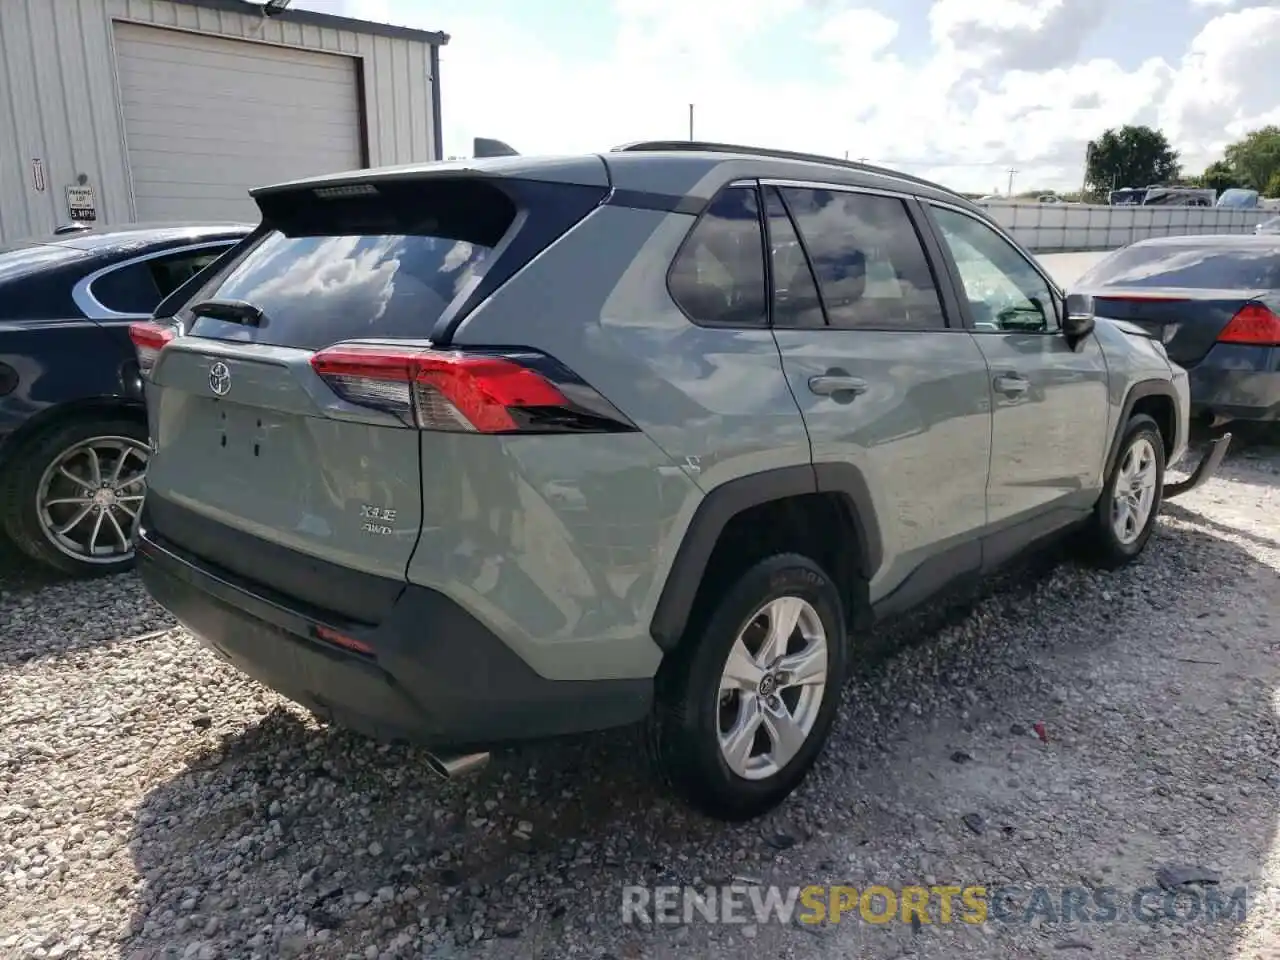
1012, 384
831, 384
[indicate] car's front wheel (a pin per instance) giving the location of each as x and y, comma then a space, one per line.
745, 705
1125, 514
71, 498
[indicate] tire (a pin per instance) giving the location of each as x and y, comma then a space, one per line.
1104, 545
31, 471
691, 708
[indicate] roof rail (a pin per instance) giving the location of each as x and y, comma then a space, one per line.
702, 146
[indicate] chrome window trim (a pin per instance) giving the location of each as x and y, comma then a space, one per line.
91, 307
841, 187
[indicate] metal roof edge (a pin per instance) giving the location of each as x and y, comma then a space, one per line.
331, 20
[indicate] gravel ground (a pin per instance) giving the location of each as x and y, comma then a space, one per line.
155, 803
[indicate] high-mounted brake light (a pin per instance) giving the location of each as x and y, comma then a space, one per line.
1253, 324
148, 340
466, 391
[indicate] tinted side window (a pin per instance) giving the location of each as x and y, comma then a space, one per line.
869, 262
1005, 292
796, 302
139, 287
130, 289
172, 272
718, 275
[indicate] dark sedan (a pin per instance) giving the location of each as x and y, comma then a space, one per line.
73, 428
1214, 301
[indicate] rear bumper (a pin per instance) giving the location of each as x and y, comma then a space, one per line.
436, 675
1237, 382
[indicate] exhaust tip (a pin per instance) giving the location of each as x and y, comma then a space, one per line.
453, 767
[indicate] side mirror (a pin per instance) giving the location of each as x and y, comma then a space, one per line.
1079, 321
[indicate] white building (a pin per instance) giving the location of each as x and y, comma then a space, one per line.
142, 110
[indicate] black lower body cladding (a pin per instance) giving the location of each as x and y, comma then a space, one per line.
436, 676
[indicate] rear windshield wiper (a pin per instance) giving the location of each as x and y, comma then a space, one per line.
235, 311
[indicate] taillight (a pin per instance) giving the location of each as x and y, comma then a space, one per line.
467, 391
1253, 324
148, 340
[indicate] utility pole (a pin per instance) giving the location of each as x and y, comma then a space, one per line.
691, 122
1084, 181
1011, 171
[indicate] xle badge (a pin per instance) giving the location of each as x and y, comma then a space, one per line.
376, 519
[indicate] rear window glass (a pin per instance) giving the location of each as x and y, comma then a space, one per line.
1201, 268
384, 266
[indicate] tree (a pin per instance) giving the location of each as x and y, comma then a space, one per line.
1130, 157
1219, 176
1273, 187
1256, 158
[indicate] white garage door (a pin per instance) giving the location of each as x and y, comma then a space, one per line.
208, 118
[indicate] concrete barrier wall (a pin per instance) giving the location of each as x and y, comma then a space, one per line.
1045, 227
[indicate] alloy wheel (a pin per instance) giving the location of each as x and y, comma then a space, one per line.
1135, 491
89, 500
771, 687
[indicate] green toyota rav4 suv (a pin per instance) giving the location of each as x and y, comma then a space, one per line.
471, 452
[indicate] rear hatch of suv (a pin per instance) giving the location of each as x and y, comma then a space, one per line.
293, 395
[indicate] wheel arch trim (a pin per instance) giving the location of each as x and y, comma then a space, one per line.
1139, 391
729, 499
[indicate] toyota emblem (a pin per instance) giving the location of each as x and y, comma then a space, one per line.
219, 379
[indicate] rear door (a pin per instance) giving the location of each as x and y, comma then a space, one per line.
884, 384
1050, 397
253, 444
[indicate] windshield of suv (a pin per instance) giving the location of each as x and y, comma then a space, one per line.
1209, 267
384, 264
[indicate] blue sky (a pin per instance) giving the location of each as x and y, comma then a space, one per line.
960, 90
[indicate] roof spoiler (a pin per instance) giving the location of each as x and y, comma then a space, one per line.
484, 147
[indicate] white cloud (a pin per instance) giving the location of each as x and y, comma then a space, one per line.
1014, 34
1003, 85
1226, 82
